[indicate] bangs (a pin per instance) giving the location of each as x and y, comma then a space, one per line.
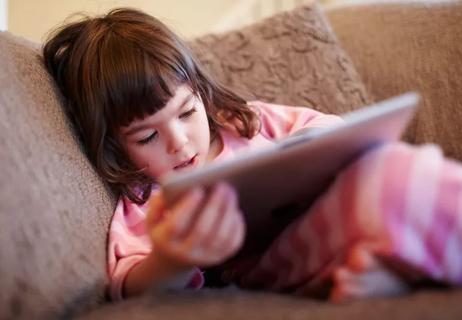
137, 82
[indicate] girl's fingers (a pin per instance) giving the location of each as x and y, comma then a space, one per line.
219, 239
210, 227
184, 213
224, 237
155, 210
202, 232
232, 234
213, 213
237, 236
227, 242
191, 242
179, 217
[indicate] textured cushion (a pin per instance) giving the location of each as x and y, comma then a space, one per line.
290, 58
234, 305
54, 211
410, 45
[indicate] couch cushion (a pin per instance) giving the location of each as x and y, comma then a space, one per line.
410, 45
54, 210
233, 305
290, 58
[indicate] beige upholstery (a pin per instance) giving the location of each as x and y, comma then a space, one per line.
237, 305
417, 46
290, 58
54, 210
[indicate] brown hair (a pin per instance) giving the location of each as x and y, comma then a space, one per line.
123, 66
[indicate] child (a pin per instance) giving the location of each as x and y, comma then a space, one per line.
143, 106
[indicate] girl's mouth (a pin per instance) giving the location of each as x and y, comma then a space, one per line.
186, 164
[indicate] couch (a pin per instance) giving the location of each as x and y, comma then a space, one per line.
55, 211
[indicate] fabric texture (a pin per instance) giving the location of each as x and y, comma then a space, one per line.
54, 210
129, 242
44, 169
410, 45
291, 58
233, 304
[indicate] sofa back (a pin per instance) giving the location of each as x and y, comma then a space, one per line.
53, 206
404, 45
55, 211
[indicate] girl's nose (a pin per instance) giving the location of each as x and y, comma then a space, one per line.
177, 140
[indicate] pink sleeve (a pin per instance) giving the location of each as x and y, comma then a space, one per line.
280, 121
129, 244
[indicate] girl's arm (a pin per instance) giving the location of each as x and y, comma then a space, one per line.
157, 271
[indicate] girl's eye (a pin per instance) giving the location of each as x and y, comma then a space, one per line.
188, 113
148, 139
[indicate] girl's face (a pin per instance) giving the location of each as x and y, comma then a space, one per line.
175, 138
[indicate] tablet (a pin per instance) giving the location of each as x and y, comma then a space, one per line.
277, 183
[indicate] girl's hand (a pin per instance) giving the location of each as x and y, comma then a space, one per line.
199, 230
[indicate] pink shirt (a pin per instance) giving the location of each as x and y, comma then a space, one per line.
129, 242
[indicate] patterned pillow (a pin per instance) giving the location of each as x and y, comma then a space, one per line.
290, 58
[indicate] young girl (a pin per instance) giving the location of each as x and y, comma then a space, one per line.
143, 107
